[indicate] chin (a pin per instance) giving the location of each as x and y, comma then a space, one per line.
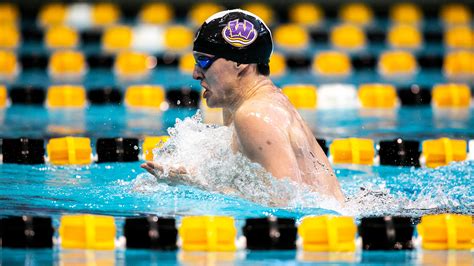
212, 104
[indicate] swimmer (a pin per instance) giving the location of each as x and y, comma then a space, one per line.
232, 51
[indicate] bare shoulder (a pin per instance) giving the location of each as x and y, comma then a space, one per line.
260, 112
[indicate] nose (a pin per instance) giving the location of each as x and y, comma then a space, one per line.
197, 73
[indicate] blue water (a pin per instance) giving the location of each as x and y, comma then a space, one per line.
142, 257
114, 189
139, 257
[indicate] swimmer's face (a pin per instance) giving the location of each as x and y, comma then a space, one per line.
218, 78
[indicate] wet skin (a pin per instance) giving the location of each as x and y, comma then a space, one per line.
266, 127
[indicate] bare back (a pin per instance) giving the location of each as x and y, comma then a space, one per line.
310, 164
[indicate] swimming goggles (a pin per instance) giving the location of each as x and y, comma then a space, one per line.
204, 61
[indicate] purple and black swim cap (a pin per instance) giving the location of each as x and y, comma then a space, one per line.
236, 35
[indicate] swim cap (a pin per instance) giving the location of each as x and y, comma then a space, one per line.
236, 35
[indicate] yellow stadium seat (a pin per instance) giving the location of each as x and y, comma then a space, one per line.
440, 152
301, 95
87, 232
61, 36
133, 64
187, 63
147, 96
407, 13
292, 36
104, 14
69, 151
404, 36
453, 14
148, 14
52, 14
8, 64
208, 233
200, 12
3, 96
451, 95
10, 36
306, 14
446, 231
472, 38
394, 63
459, 37
328, 233
356, 13
377, 95
150, 143
263, 11
459, 64
178, 38
60, 96
332, 63
117, 38
277, 64
347, 36
352, 151
67, 63
8, 13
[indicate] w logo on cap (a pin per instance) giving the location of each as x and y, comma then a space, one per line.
239, 34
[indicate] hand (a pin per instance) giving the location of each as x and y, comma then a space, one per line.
155, 169
175, 175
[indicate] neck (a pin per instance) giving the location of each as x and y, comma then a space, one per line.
250, 87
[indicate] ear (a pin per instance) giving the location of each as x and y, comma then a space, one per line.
241, 68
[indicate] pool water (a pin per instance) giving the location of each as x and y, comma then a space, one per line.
124, 189
142, 257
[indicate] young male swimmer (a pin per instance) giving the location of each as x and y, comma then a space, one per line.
232, 51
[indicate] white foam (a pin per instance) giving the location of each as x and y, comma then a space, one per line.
413, 193
148, 38
337, 96
79, 15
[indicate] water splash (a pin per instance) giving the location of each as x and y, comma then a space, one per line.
412, 192
205, 152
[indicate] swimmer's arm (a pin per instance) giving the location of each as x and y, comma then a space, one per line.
263, 141
179, 176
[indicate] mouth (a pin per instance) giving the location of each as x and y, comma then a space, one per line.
206, 91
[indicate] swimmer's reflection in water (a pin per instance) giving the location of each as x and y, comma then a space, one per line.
232, 50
